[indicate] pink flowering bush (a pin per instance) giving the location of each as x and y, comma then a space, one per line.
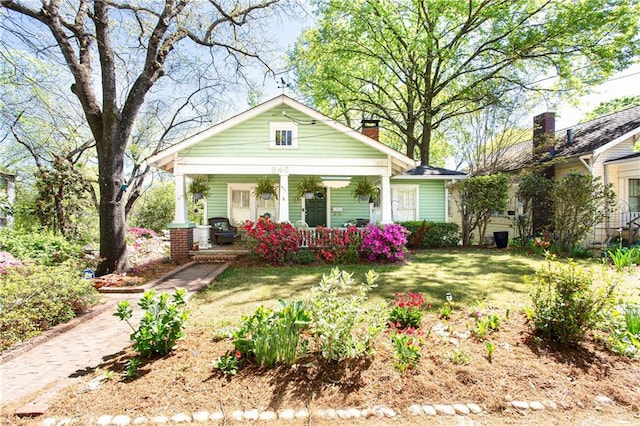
385, 242
7, 261
276, 243
144, 245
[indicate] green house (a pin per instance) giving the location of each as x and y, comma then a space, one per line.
287, 141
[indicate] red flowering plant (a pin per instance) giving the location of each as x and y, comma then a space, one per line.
406, 311
229, 363
275, 243
336, 245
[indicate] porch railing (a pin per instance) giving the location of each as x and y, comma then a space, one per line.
314, 237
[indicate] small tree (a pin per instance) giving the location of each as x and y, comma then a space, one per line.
533, 193
579, 203
477, 197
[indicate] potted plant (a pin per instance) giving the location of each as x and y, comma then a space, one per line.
308, 187
365, 190
199, 187
266, 188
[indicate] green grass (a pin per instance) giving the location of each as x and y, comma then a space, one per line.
490, 276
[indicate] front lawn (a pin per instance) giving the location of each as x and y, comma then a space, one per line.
492, 276
482, 351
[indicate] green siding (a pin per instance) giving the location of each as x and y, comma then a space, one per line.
352, 209
432, 200
251, 139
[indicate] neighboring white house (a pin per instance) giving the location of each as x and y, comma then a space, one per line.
605, 147
7, 198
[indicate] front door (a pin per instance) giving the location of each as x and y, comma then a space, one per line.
316, 209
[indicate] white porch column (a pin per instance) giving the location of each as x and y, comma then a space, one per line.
283, 199
385, 201
180, 214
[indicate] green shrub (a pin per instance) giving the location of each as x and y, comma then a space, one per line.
304, 257
406, 346
273, 337
438, 234
341, 326
42, 248
36, 298
162, 324
565, 302
623, 325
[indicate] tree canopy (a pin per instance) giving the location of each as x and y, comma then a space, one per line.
418, 64
117, 54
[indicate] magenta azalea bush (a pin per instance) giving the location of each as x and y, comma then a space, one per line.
384, 242
276, 243
7, 261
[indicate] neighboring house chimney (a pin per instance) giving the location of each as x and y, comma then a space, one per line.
569, 136
544, 128
371, 128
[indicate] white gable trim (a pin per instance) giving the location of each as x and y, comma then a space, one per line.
162, 157
616, 141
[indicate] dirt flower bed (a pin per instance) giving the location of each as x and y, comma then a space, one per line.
138, 275
454, 368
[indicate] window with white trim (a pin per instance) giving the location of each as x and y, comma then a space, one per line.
404, 202
283, 135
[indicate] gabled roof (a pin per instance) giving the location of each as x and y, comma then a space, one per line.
167, 154
428, 172
590, 137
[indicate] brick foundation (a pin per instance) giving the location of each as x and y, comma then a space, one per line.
181, 240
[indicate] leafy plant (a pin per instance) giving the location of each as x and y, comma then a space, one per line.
406, 311
229, 363
485, 324
477, 198
621, 257
266, 185
445, 310
309, 185
131, 370
336, 245
199, 185
364, 188
35, 298
437, 234
579, 202
459, 356
406, 343
340, 325
162, 324
490, 347
42, 248
565, 303
385, 242
624, 326
272, 337
275, 243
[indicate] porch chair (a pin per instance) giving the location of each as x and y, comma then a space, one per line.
222, 231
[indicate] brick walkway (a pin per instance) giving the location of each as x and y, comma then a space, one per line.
60, 358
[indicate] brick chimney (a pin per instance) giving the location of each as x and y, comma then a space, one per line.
544, 129
371, 128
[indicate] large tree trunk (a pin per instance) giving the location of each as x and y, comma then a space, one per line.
113, 245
